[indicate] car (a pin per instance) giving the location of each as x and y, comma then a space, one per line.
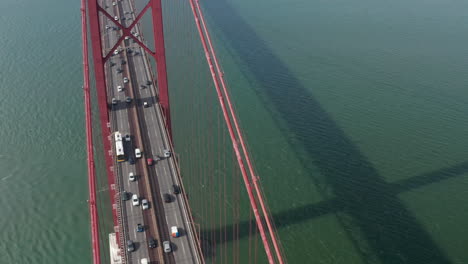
130, 246
129, 50
125, 80
157, 158
116, 18
131, 177
135, 200
175, 189
116, 52
167, 153
127, 138
136, 34
152, 243
131, 160
144, 204
125, 196
140, 228
128, 99
114, 101
112, 64
122, 62
174, 231
127, 37
145, 104
142, 86
119, 88
136, 53
137, 153
148, 82
149, 161
107, 26
114, 3
167, 247
122, 18
119, 70
167, 198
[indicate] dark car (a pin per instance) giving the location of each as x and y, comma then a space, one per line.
175, 189
140, 228
152, 243
125, 196
167, 198
131, 160
148, 82
130, 246
122, 62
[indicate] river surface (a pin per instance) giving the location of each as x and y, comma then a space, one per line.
355, 112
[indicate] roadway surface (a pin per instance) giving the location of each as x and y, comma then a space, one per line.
147, 130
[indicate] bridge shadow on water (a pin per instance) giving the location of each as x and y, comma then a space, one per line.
363, 200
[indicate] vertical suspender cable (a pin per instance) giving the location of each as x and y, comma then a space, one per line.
233, 138
241, 140
89, 141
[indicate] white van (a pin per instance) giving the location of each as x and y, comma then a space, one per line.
144, 261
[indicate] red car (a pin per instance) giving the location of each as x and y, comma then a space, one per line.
149, 161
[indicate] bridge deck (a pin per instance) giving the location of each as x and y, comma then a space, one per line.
147, 130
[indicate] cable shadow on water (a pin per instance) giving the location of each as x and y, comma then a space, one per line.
367, 205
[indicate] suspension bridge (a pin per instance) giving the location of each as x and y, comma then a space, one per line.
153, 221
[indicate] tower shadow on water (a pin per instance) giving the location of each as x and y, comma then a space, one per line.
363, 200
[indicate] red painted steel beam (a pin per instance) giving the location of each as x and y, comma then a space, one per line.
252, 198
159, 53
126, 31
99, 74
254, 178
160, 57
89, 141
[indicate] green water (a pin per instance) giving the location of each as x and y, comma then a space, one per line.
354, 112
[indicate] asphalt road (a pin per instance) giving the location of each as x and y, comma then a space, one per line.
146, 127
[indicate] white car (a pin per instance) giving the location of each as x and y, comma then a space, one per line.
107, 26
116, 18
125, 80
114, 3
131, 177
145, 104
144, 204
119, 88
167, 153
137, 153
135, 200
116, 52
127, 37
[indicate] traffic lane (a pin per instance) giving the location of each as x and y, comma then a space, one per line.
124, 125
147, 216
173, 211
177, 220
135, 216
164, 170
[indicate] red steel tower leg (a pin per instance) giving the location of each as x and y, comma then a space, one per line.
160, 57
99, 74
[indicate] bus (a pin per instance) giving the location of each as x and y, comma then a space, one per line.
119, 149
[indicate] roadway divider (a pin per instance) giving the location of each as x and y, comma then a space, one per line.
134, 117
